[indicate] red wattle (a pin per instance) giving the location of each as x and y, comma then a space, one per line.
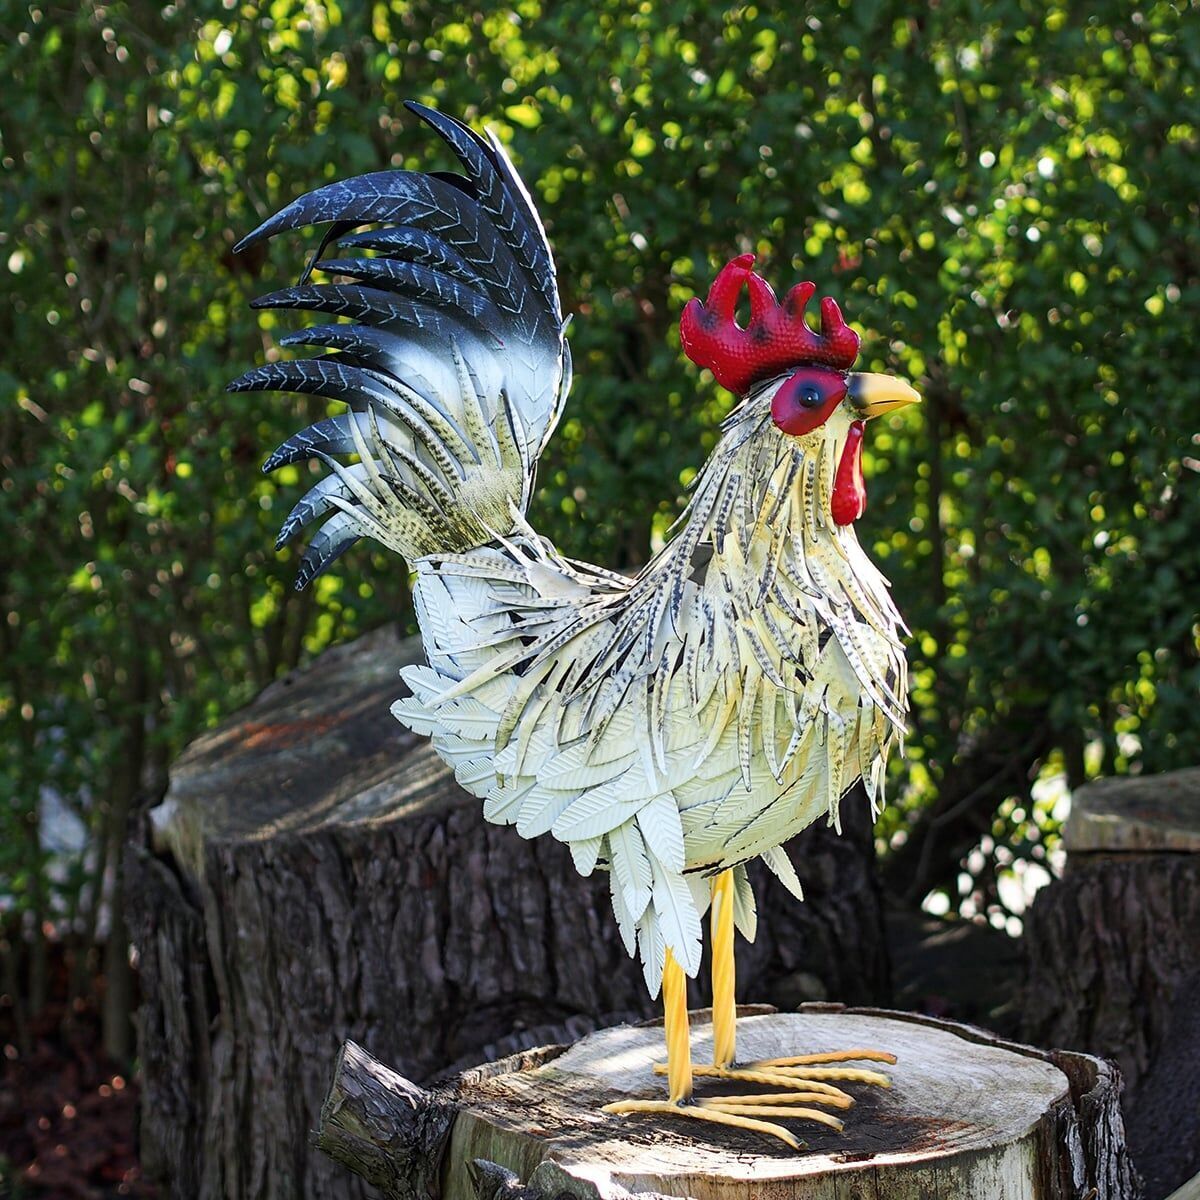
849, 491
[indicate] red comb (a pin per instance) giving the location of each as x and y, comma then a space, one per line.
776, 337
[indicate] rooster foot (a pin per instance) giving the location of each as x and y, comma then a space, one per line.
806, 1072
806, 1078
740, 1112
727, 1111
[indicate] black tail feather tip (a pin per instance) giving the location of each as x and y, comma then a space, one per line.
255, 235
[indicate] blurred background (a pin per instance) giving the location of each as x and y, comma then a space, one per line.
1002, 197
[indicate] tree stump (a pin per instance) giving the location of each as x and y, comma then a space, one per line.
1113, 959
968, 1117
315, 874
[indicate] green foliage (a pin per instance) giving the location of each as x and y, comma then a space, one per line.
1003, 197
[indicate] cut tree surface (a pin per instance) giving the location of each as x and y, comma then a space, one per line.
954, 1109
967, 1118
1156, 813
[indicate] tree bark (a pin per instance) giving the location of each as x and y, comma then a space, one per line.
968, 1117
1113, 959
314, 874
384, 1128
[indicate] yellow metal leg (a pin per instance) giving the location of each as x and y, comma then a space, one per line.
678, 1071
675, 1021
805, 1081
724, 1002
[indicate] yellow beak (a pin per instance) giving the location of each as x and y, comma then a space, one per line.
872, 395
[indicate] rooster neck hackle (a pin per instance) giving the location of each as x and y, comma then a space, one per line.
759, 526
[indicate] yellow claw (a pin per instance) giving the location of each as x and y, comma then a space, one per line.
815, 1074
806, 1114
833, 1056
784, 1098
704, 1113
784, 1078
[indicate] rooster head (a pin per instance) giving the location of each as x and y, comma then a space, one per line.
806, 374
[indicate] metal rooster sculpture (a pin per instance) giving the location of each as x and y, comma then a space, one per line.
668, 727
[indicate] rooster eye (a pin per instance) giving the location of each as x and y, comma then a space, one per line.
806, 399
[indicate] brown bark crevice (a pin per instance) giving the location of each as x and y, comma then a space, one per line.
1113, 967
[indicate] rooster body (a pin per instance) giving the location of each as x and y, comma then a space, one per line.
666, 726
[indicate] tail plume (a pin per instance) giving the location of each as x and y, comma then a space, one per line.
450, 359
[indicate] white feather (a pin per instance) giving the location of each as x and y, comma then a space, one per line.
541, 808
412, 713
676, 916
700, 887
660, 826
631, 866
585, 853
426, 684
597, 812
626, 923
468, 718
502, 805
652, 948
780, 865
473, 773
745, 910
